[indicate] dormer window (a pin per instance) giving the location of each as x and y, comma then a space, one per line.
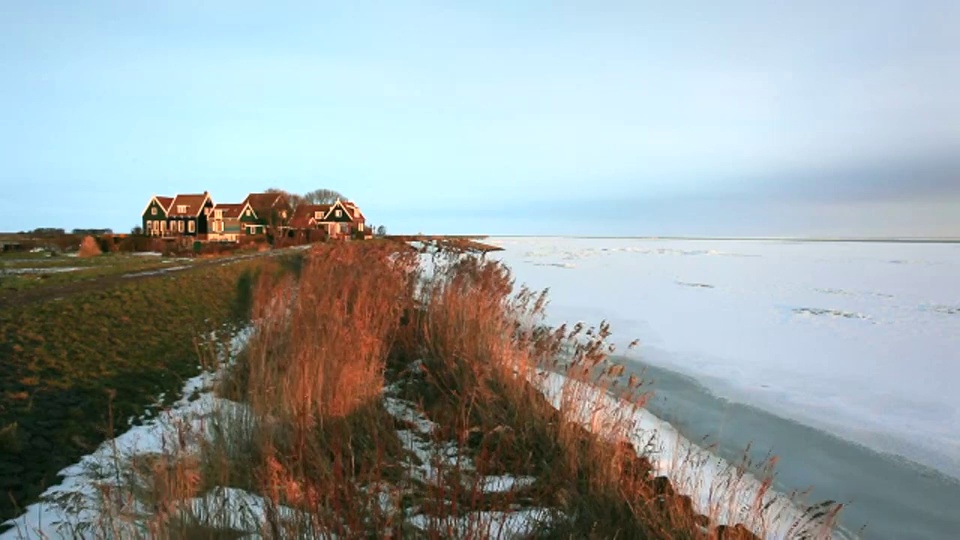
219, 214
318, 215
182, 208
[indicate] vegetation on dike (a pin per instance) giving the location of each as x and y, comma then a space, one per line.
18, 273
381, 394
76, 369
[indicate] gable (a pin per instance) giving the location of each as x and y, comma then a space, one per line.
156, 203
346, 215
248, 214
232, 211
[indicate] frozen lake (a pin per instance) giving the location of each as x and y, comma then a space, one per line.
842, 358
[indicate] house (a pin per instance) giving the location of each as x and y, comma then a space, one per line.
342, 219
155, 215
270, 210
197, 216
228, 222
188, 215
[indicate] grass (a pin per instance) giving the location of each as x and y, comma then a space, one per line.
18, 273
76, 369
375, 398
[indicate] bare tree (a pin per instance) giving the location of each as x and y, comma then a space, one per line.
323, 196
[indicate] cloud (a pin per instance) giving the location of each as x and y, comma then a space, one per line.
884, 181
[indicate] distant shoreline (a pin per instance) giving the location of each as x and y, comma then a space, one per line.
741, 239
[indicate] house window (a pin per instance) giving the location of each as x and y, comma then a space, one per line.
219, 214
182, 208
249, 212
339, 213
180, 226
360, 227
153, 211
191, 226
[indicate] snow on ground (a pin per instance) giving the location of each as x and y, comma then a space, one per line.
77, 502
79, 506
513, 524
40, 270
156, 272
858, 339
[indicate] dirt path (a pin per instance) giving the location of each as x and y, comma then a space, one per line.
21, 298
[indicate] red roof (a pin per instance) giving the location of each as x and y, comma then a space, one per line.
165, 202
191, 205
231, 210
304, 217
262, 203
357, 214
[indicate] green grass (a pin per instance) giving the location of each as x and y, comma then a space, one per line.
72, 370
113, 264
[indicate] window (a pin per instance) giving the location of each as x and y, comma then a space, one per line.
339, 213
219, 214
249, 212
360, 227
191, 225
318, 215
180, 226
181, 208
153, 211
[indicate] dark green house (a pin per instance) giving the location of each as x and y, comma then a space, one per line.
155, 215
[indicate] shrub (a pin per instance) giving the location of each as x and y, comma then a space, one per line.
89, 247
322, 349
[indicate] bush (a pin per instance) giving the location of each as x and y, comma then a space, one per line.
89, 247
135, 243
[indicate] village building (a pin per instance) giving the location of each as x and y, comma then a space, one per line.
229, 222
197, 216
271, 210
342, 219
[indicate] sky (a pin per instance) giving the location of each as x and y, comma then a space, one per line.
502, 117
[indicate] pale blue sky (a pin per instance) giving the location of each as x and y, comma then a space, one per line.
699, 118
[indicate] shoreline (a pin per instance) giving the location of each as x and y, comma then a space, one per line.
867, 481
799, 239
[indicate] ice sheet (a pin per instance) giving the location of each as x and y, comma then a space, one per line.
859, 339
